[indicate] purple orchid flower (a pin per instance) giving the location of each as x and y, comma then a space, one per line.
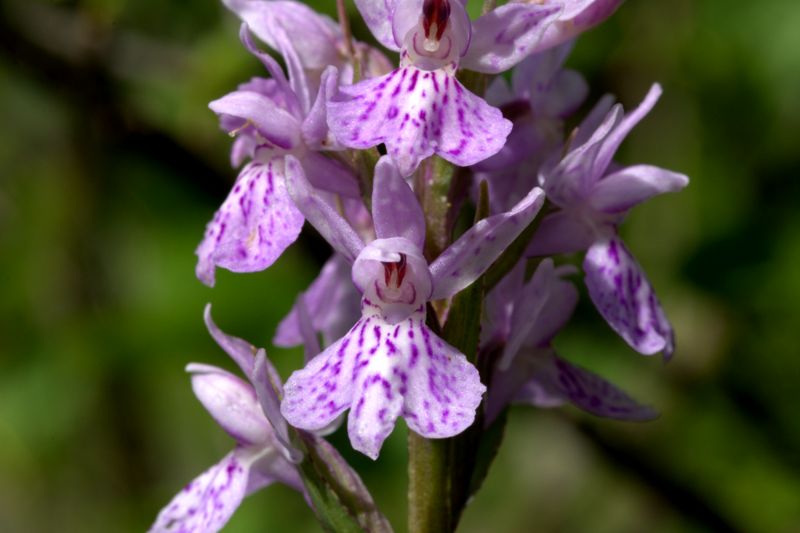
207, 503
421, 108
310, 42
594, 197
530, 372
249, 412
258, 220
540, 97
390, 363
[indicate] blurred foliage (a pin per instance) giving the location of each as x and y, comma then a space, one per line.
111, 164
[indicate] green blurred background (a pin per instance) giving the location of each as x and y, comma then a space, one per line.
111, 165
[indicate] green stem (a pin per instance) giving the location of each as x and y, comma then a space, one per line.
429, 485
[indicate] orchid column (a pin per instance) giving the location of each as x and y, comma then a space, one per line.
454, 215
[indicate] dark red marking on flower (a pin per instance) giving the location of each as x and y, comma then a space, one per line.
435, 12
390, 268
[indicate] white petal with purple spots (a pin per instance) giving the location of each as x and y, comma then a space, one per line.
557, 381
417, 113
206, 504
623, 295
254, 225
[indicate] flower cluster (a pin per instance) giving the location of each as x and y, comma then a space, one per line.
309, 142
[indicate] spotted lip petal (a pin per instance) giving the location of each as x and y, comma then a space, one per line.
417, 113
556, 381
380, 371
208, 502
254, 225
623, 295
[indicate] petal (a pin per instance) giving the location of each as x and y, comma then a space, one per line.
267, 384
475, 251
268, 19
560, 233
378, 16
617, 135
623, 295
395, 209
278, 127
320, 214
408, 13
417, 113
561, 302
570, 182
329, 175
577, 17
295, 101
391, 302
315, 125
231, 402
498, 306
254, 225
505, 36
528, 305
314, 396
239, 350
444, 389
377, 393
333, 305
311, 347
618, 192
207, 503
556, 379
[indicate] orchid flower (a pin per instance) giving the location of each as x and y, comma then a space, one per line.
258, 220
594, 198
421, 108
309, 41
529, 371
247, 411
390, 363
